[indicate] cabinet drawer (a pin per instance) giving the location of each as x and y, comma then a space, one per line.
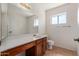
39, 41
29, 45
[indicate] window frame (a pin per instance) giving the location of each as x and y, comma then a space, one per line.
57, 15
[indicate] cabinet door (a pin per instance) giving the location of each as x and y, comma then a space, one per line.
44, 45
39, 49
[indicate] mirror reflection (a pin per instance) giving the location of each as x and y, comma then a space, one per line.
0, 25
17, 20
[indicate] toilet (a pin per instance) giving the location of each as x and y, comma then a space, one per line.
50, 44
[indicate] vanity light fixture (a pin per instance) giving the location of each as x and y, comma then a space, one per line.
25, 5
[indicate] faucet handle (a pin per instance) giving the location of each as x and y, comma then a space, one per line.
76, 39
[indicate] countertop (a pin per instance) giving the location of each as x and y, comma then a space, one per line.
14, 41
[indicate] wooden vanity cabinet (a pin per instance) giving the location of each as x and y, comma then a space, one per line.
34, 48
41, 46
19, 49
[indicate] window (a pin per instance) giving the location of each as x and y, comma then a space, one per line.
36, 22
54, 20
59, 19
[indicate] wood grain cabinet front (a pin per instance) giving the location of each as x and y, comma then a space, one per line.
44, 46
41, 46
34, 48
39, 49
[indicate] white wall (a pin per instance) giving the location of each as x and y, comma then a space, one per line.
17, 22
39, 10
63, 35
41, 17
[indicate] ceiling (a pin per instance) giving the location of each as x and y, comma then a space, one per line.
37, 7
44, 6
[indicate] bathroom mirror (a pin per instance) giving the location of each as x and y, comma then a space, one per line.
16, 21
33, 23
0, 24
